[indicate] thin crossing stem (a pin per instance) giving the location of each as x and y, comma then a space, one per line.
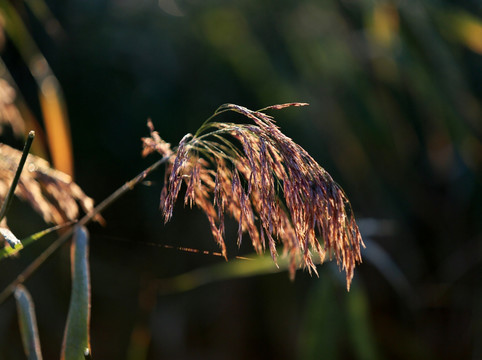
11, 191
34, 265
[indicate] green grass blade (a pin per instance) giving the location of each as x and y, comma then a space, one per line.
236, 268
10, 238
252, 265
11, 191
10, 250
337, 324
28, 323
360, 328
76, 344
322, 329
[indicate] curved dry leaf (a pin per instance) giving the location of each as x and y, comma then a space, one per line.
50, 192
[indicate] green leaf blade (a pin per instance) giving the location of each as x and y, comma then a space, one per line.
10, 238
15, 246
28, 323
76, 344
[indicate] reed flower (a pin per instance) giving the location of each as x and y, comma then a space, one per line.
271, 186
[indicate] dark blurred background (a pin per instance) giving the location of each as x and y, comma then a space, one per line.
395, 116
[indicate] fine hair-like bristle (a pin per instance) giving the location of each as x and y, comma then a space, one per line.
269, 184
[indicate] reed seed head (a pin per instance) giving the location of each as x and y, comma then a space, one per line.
269, 184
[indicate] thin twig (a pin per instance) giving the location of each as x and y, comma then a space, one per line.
24, 275
11, 191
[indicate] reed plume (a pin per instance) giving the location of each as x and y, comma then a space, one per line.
270, 185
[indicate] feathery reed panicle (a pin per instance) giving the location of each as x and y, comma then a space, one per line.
269, 184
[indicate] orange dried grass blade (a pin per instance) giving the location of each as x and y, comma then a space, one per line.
56, 125
50, 94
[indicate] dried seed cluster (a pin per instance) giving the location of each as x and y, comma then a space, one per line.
51, 193
271, 186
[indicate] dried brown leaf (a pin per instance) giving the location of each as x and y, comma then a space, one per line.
50, 192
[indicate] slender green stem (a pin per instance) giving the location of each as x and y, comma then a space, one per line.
11, 191
205, 124
39, 260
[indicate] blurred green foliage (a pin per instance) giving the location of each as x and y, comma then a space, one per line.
395, 117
